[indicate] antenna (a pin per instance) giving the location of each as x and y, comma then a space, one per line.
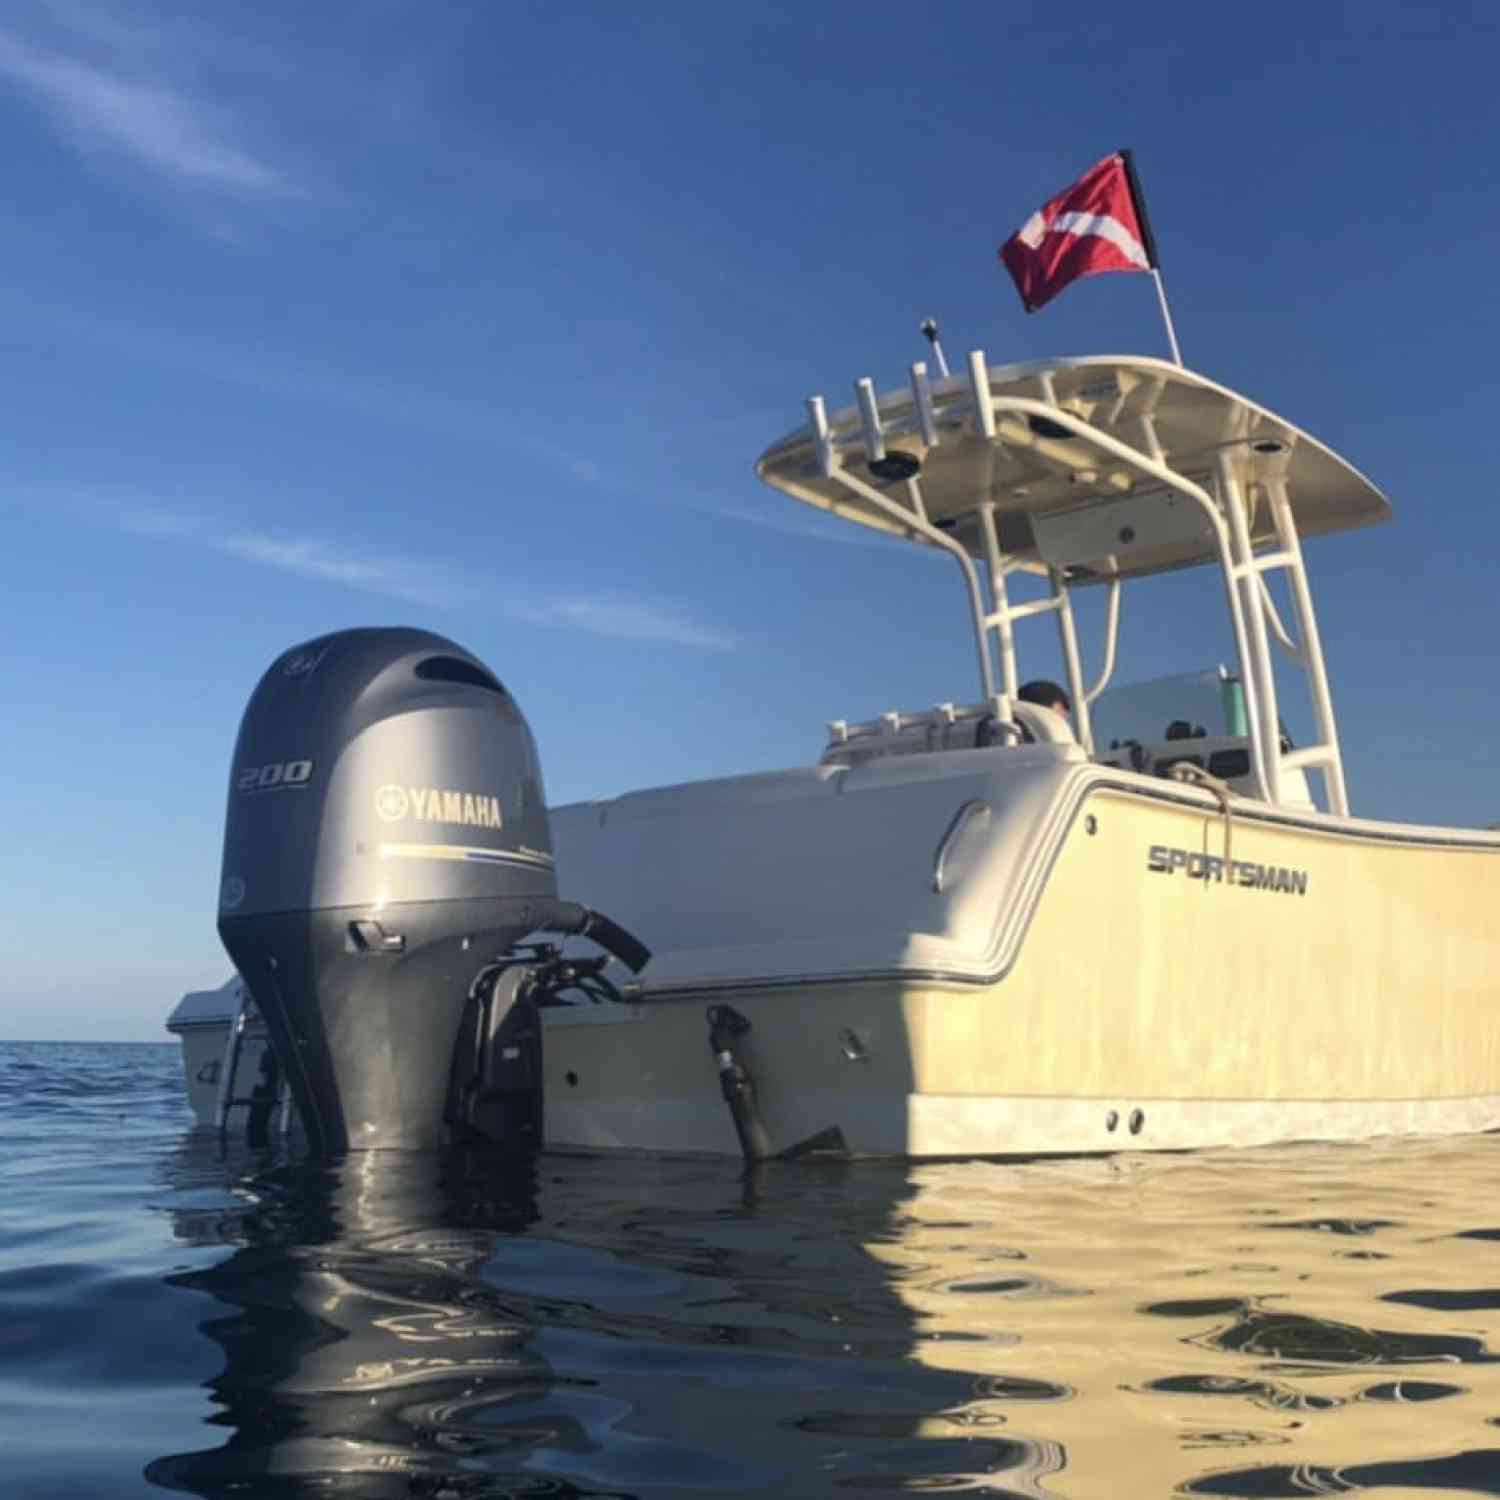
930, 333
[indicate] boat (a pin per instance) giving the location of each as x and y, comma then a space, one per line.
989, 928
201, 1022
224, 1043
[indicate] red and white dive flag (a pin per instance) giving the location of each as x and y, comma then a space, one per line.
1097, 224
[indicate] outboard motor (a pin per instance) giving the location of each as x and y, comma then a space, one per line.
386, 847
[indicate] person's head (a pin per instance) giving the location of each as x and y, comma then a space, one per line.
1046, 694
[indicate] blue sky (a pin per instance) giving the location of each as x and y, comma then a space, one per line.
476, 316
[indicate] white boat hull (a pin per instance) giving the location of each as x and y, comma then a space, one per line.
1102, 992
202, 1058
1110, 964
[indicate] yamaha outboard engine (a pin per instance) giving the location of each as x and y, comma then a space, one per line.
386, 846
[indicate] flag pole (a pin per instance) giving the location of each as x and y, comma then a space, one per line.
1138, 198
1166, 315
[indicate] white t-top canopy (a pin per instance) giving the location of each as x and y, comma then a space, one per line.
1083, 461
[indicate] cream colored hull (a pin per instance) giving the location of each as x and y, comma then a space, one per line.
1198, 1011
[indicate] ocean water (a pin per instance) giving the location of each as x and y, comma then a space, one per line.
179, 1317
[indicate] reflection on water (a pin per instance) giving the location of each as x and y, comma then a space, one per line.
1298, 1321
463, 1325
360, 1336
1298, 1339
1475, 1473
399, 1325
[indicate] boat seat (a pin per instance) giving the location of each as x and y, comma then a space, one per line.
1043, 726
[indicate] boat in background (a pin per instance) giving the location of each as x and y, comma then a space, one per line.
224, 1046
201, 1020
979, 928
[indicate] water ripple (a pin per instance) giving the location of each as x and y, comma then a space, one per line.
226, 1323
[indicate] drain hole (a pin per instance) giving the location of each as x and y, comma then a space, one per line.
1112, 1120
572, 1079
1137, 1119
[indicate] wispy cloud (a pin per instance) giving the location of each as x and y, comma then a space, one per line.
159, 126
613, 617
439, 414
146, 520
303, 556
623, 619
292, 378
309, 557
818, 527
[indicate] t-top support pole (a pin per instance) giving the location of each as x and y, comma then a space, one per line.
911, 520
1327, 757
1257, 667
1067, 633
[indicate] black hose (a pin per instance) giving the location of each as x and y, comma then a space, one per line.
570, 917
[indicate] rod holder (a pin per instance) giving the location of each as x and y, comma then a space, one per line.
869, 413
817, 417
979, 383
921, 395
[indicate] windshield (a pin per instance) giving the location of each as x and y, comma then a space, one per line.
1212, 702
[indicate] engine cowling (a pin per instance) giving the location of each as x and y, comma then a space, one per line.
386, 836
